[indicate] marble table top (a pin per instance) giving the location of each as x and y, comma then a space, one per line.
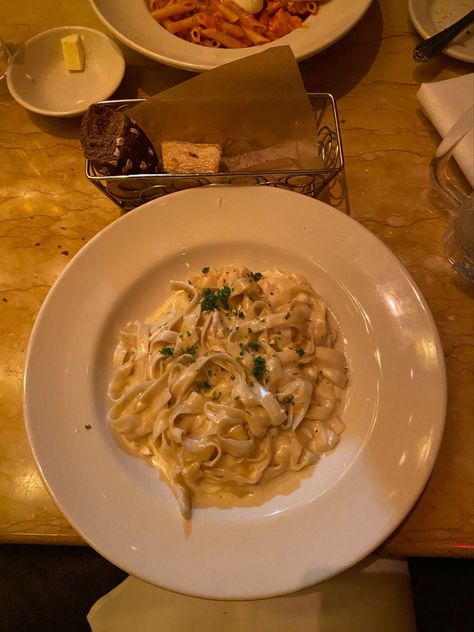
48, 211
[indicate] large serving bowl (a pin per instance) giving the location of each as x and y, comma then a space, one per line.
131, 22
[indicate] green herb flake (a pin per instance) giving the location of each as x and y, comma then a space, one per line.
254, 345
255, 276
232, 377
205, 270
87, 426
200, 387
215, 298
191, 350
259, 367
167, 351
241, 314
289, 399
299, 351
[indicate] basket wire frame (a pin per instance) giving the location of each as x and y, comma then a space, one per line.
130, 191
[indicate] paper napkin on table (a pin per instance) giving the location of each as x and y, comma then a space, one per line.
445, 102
374, 595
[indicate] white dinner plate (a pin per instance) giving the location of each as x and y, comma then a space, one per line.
432, 16
355, 496
38, 79
131, 22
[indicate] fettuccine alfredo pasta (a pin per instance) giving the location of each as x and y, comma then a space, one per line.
232, 382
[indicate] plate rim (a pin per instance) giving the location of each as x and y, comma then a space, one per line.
103, 94
407, 277
416, 10
193, 66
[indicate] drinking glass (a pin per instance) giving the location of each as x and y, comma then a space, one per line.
459, 198
4, 58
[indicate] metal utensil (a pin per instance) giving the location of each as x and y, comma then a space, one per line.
435, 44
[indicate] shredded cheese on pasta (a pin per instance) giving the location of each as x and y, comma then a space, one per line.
233, 381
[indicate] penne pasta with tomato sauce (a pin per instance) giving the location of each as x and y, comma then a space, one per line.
228, 23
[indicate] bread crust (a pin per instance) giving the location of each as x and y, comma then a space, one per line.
115, 144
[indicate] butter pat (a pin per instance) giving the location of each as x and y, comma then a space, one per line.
73, 52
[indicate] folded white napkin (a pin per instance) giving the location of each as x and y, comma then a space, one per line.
374, 595
445, 103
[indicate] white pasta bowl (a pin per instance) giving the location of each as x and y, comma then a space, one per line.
342, 509
131, 22
38, 79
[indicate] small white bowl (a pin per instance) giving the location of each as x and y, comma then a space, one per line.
39, 80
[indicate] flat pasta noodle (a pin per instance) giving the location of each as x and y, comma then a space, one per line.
232, 382
206, 22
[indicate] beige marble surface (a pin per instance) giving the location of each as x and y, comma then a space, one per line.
48, 211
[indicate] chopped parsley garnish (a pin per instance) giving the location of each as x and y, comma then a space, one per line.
205, 270
87, 426
241, 314
215, 299
289, 399
191, 350
259, 367
299, 351
167, 351
254, 345
202, 386
255, 276
232, 377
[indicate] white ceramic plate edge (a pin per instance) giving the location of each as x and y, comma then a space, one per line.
195, 66
427, 467
99, 96
424, 27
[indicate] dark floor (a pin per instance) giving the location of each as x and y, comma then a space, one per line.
34, 580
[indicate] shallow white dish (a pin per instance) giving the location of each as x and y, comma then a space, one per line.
433, 16
39, 80
355, 497
131, 22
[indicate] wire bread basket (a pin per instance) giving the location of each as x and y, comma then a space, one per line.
130, 191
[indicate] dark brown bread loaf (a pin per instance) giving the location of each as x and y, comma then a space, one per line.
115, 144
